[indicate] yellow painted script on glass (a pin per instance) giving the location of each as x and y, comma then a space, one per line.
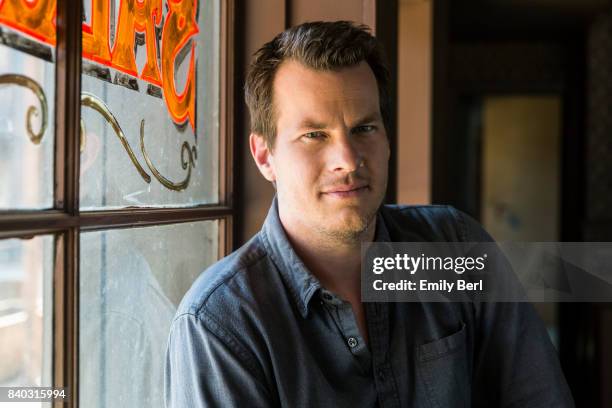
37, 19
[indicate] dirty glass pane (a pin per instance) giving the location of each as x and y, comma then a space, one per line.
150, 104
131, 282
26, 308
27, 102
521, 203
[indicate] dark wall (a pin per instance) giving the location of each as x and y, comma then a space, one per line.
486, 46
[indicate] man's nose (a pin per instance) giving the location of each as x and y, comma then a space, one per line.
345, 156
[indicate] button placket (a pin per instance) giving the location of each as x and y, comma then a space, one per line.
342, 314
378, 324
381, 375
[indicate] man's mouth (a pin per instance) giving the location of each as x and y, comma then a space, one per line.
347, 190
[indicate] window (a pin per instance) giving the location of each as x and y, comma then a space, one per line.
116, 143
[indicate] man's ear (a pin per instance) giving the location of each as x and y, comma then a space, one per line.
262, 156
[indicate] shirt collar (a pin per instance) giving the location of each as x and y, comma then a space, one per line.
302, 284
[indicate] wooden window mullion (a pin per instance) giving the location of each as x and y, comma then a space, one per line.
67, 131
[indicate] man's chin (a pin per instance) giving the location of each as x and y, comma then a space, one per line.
348, 227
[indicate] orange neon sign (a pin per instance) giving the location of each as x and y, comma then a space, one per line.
37, 19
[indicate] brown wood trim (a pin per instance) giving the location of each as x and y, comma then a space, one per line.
72, 304
369, 13
59, 316
382, 16
68, 101
149, 217
67, 162
26, 224
227, 115
65, 315
225, 112
225, 237
59, 155
239, 126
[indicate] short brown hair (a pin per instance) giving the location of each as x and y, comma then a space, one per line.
318, 45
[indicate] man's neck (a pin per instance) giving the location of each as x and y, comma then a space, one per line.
336, 263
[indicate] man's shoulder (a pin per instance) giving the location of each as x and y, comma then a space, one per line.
230, 274
423, 222
433, 210
433, 223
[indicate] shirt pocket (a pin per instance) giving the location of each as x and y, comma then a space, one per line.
442, 366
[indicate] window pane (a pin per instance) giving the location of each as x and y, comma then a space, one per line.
150, 104
131, 281
26, 268
27, 101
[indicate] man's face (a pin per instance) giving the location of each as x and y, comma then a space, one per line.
330, 156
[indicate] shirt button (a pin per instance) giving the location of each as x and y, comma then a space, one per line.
381, 375
352, 342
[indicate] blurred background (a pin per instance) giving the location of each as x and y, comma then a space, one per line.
503, 110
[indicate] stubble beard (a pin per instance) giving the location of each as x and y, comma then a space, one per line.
350, 234
353, 231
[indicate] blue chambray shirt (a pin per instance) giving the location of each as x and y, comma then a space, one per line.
257, 329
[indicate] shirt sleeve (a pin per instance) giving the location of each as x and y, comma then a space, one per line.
206, 367
515, 363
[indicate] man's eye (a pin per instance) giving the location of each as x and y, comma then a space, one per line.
364, 129
313, 135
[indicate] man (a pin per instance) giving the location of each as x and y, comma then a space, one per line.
280, 321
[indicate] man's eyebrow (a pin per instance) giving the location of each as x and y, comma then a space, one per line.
311, 124
372, 117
